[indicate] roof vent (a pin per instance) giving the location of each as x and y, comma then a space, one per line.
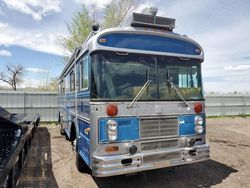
149, 19
150, 11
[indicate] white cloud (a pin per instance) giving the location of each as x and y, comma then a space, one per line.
226, 87
27, 83
225, 49
5, 53
36, 8
38, 41
98, 3
35, 37
225, 41
22, 7
34, 83
237, 67
146, 4
2, 13
37, 70
226, 80
2, 25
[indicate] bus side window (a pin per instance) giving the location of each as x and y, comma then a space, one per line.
78, 69
67, 84
63, 87
59, 88
84, 74
72, 81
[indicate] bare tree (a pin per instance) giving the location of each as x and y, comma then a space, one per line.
49, 85
13, 75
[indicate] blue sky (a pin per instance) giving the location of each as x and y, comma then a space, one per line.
29, 30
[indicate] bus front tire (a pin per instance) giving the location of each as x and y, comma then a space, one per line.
62, 131
80, 164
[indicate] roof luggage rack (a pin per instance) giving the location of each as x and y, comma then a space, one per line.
149, 19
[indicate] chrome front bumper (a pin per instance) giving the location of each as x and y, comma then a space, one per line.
125, 164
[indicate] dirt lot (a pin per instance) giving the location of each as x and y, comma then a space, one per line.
51, 162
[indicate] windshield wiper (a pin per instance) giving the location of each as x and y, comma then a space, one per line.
173, 86
139, 94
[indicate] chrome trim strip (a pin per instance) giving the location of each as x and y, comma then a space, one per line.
83, 119
99, 47
80, 117
111, 165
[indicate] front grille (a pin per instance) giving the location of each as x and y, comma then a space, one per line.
161, 157
157, 145
158, 127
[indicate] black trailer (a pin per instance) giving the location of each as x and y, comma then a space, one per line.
16, 133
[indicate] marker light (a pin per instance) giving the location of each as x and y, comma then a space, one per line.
111, 149
198, 107
102, 40
111, 110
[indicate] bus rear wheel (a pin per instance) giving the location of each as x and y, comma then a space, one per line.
60, 122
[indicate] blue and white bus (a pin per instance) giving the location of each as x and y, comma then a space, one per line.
131, 99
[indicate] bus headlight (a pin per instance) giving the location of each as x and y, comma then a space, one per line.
112, 135
198, 124
112, 125
198, 120
112, 130
199, 129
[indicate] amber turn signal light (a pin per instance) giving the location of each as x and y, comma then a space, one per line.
111, 149
111, 110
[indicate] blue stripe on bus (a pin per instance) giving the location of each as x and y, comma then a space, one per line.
83, 94
127, 129
84, 141
187, 125
84, 110
149, 43
70, 95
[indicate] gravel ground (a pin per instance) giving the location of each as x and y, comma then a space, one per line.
51, 162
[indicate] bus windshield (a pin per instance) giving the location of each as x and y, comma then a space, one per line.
119, 77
